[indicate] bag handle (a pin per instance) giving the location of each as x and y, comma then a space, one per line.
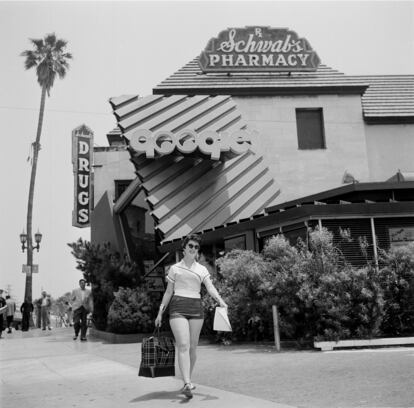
156, 332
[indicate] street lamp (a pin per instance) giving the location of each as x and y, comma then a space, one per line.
23, 239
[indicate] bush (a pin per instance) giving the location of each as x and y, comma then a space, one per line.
319, 296
283, 281
347, 302
243, 274
397, 280
132, 311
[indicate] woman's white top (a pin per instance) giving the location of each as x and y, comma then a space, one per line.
187, 281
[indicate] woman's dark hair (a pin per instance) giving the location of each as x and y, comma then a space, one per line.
191, 237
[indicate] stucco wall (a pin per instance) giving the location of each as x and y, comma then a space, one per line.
304, 172
110, 164
390, 148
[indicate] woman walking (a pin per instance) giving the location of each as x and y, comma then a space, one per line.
185, 307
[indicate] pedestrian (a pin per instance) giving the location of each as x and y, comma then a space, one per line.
26, 308
11, 310
3, 308
183, 298
45, 310
82, 305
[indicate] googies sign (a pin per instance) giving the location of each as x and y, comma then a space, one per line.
258, 49
188, 141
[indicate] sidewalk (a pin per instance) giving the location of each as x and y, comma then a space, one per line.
48, 370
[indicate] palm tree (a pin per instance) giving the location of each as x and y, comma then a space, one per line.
49, 58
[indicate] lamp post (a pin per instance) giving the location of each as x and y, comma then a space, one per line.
26, 241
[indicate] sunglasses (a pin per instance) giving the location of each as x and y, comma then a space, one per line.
191, 246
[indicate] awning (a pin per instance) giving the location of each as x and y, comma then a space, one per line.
192, 192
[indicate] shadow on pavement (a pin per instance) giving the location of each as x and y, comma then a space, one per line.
173, 396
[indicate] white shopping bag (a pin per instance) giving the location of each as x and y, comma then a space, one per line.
221, 320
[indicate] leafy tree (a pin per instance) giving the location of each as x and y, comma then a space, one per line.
106, 271
50, 60
59, 305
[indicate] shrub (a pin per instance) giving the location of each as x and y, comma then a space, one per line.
318, 294
397, 280
132, 311
242, 288
283, 281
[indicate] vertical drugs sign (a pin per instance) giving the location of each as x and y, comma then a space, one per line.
82, 148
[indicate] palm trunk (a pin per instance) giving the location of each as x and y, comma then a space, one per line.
36, 148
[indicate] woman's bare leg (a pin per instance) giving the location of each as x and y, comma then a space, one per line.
195, 329
181, 330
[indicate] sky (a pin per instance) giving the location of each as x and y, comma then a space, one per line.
128, 48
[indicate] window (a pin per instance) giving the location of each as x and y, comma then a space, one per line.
120, 187
238, 242
401, 236
309, 122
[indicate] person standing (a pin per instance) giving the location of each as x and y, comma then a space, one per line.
11, 310
26, 308
185, 307
82, 305
44, 310
3, 308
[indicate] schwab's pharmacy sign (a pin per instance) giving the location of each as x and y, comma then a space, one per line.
82, 147
258, 49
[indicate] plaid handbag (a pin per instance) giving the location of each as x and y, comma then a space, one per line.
157, 356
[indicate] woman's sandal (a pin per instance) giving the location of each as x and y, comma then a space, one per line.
187, 390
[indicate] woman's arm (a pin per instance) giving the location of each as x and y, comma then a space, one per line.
164, 302
212, 291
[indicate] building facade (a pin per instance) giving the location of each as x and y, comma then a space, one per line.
256, 137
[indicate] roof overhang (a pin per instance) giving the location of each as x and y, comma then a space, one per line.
195, 161
342, 192
267, 90
302, 214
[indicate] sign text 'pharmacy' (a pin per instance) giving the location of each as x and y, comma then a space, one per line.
258, 49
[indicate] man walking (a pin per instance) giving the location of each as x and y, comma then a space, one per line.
11, 309
82, 305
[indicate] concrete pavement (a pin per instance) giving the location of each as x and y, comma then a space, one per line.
48, 369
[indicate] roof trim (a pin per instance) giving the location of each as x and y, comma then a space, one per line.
259, 91
304, 213
389, 120
324, 195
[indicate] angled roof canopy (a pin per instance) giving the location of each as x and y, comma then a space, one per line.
195, 191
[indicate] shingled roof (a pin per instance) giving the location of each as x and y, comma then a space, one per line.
384, 97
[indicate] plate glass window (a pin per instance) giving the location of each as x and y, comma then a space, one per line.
309, 123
